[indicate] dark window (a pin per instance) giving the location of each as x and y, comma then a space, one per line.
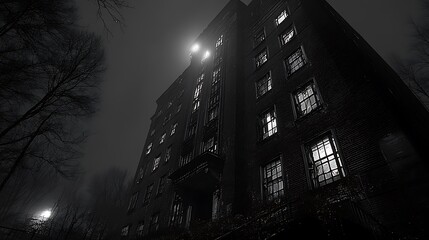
176, 211
213, 113
179, 107
295, 61
148, 194
282, 16
125, 230
286, 36
261, 58
140, 175
263, 85
140, 228
210, 145
185, 159
166, 119
259, 37
192, 128
133, 201
168, 154
306, 99
273, 180
269, 123
152, 132
154, 223
325, 164
161, 185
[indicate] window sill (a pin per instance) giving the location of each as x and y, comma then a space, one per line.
268, 139
319, 109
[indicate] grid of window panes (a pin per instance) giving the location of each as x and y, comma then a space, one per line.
213, 113
295, 61
192, 128
273, 180
185, 159
287, 36
263, 85
140, 229
210, 145
156, 162
282, 16
269, 124
325, 165
148, 194
176, 211
219, 42
259, 37
261, 58
133, 201
306, 99
154, 223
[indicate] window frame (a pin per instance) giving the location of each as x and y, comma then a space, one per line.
256, 58
276, 20
173, 128
297, 112
156, 162
305, 61
256, 39
161, 185
148, 194
308, 160
260, 79
140, 232
287, 30
261, 125
282, 178
149, 148
152, 223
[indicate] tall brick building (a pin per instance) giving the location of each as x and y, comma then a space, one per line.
286, 123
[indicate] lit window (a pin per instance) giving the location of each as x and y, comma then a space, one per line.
185, 159
213, 113
287, 36
125, 230
179, 108
168, 154
261, 58
273, 180
259, 37
195, 105
176, 211
198, 90
325, 164
162, 139
295, 61
173, 128
200, 78
139, 230
263, 85
133, 201
154, 223
148, 148
140, 175
156, 162
219, 42
210, 145
283, 15
269, 124
148, 194
161, 185
216, 75
306, 99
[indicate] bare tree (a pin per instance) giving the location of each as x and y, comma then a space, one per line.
48, 84
111, 10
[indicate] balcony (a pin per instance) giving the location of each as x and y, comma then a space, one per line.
201, 174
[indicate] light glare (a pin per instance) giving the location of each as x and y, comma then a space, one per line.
45, 214
195, 48
206, 55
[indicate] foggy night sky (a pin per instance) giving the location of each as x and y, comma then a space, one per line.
152, 51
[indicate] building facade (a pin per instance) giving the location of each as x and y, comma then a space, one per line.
285, 120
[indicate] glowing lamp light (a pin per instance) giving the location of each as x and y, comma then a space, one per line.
206, 55
45, 215
195, 48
